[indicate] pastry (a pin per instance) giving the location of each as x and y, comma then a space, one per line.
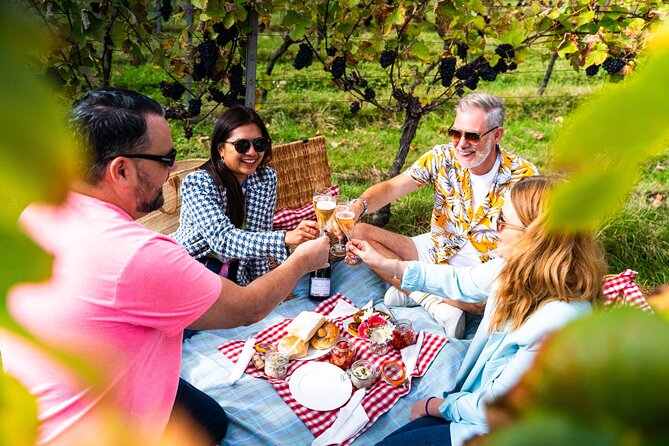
293, 346
353, 328
325, 336
305, 325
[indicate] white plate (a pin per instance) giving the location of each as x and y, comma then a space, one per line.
319, 386
314, 353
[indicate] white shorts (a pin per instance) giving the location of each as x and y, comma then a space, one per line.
423, 243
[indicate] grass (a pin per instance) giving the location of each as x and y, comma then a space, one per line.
361, 147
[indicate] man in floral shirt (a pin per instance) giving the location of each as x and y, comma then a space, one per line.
470, 177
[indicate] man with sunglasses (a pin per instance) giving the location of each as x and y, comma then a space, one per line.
120, 296
470, 177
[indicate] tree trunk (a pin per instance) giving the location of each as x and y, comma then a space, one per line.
549, 72
412, 117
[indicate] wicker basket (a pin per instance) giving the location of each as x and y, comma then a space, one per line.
300, 166
166, 219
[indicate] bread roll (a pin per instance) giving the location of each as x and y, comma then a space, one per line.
325, 336
293, 346
305, 325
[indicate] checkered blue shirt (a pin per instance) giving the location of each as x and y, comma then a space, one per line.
204, 225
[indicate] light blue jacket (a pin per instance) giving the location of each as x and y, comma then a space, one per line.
494, 361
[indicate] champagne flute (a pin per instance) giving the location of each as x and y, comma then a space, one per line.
345, 218
324, 206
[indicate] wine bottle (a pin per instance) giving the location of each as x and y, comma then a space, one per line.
319, 284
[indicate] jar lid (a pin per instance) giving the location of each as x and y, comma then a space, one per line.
393, 372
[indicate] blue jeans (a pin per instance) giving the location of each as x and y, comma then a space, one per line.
426, 431
208, 416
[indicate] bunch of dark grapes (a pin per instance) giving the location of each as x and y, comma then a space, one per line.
95, 7
52, 77
304, 57
338, 67
369, 94
208, 54
172, 90
166, 9
501, 66
472, 82
484, 70
225, 35
176, 111
331, 51
462, 49
199, 71
592, 70
188, 131
387, 58
613, 65
216, 95
347, 84
447, 70
465, 72
355, 107
236, 77
506, 51
194, 107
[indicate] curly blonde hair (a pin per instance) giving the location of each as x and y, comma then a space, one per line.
545, 266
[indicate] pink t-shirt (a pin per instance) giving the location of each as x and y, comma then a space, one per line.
120, 296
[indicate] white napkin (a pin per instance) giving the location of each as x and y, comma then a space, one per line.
350, 419
342, 308
242, 361
369, 304
410, 355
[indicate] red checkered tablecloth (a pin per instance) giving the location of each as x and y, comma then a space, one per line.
377, 401
622, 290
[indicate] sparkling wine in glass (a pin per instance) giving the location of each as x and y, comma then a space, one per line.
324, 206
345, 218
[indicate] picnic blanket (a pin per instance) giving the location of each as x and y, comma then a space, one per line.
259, 416
377, 401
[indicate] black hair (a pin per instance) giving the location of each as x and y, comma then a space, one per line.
109, 122
228, 121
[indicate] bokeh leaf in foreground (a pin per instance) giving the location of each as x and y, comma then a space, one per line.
605, 374
608, 140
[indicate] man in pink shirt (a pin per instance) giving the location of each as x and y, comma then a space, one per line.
121, 295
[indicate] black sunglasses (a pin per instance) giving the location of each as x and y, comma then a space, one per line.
470, 137
166, 159
259, 144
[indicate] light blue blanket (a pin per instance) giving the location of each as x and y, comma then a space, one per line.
258, 416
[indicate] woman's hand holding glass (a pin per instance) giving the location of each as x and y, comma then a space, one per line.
305, 230
344, 220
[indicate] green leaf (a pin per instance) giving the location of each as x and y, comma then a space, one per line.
514, 36
609, 138
598, 55
398, 16
421, 51
18, 413
585, 18
567, 47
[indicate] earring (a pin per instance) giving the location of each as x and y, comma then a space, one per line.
222, 161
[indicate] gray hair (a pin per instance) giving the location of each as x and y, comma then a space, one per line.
493, 107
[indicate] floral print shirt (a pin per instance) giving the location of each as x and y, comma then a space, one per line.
454, 221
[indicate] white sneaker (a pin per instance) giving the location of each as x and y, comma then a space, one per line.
450, 318
395, 297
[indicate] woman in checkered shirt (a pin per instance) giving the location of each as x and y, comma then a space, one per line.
228, 204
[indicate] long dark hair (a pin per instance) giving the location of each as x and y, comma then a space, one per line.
229, 120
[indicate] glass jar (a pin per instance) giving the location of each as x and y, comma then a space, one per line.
403, 335
363, 373
276, 364
342, 353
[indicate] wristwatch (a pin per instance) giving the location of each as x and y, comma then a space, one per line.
365, 205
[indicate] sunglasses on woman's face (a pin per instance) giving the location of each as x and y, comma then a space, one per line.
244, 145
470, 137
501, 224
